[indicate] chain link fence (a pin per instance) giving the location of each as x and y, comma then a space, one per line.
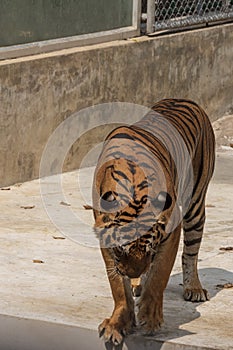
169, 14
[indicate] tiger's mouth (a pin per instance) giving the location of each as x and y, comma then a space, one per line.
132, 267
131, 260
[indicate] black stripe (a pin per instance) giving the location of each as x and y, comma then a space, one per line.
119, 154
119, 130
192, 242
120, 173
132, 167
197, 228
122, 136
125, 213
143, 184
135, 207
145, 165
196, 210
190, 254
126, 221
144, 199
147, 154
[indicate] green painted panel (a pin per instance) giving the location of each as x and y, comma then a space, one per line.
25, 21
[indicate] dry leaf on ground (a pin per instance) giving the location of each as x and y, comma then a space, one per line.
226, 249
225, 285
38, 261
27, 206
87, 207
64, 203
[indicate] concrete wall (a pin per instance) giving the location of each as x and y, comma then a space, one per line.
37, 93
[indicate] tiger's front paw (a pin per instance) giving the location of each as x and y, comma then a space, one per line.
150, 315
115, 328
111, 332
196, 294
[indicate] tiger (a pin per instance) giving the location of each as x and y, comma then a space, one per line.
150, 182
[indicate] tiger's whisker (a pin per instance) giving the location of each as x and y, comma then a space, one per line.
152, 250
112, 275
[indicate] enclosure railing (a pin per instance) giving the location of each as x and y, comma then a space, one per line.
169, 14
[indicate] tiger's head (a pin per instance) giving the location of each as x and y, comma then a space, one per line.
131, 210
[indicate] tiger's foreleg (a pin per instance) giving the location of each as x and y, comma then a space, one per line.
193, 231
123, 318
150, 314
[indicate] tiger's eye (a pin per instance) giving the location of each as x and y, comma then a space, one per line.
108, 202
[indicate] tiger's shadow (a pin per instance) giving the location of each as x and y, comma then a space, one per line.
177, 311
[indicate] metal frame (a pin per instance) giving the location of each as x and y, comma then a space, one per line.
154, 25
39, 47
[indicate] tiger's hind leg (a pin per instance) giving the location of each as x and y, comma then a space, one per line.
193, 226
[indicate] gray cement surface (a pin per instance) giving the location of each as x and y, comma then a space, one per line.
54, 291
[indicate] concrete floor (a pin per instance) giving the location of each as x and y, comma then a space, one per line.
54, 291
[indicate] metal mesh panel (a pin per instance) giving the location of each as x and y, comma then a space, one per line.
180, 13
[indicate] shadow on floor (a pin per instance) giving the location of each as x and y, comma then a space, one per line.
177, 312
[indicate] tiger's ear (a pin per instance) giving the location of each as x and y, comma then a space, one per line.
163, 201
